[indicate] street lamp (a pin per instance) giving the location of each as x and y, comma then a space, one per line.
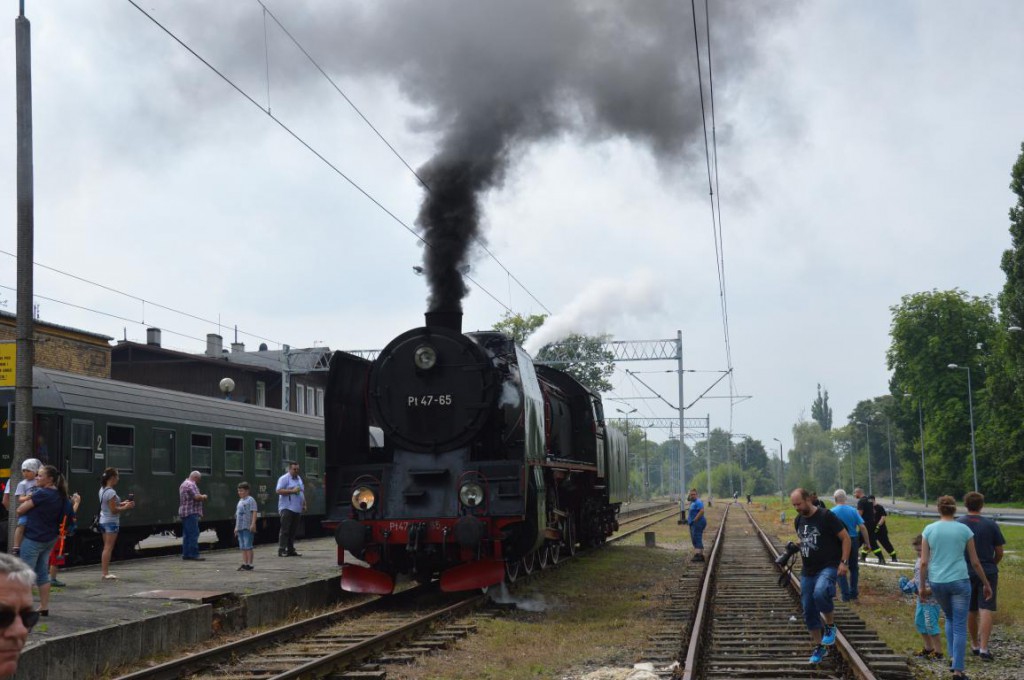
970, 405
920, 425
888, 439
867, 435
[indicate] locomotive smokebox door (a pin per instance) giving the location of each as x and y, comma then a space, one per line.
432, 390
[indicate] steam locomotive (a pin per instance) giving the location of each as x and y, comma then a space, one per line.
490, 464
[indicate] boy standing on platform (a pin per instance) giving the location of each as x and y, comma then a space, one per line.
245, 524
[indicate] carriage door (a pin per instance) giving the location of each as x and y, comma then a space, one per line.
48, 443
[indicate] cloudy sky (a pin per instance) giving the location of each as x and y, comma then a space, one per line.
863, 154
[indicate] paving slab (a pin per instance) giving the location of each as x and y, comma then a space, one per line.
164, 604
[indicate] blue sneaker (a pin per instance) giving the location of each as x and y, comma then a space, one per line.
820, 652
829, 638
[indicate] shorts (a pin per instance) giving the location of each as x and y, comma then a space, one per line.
23, 520
978, 600
697, 534
110, 527
37, 556
926, 618
245, 539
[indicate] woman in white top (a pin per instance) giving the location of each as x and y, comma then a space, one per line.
111, 507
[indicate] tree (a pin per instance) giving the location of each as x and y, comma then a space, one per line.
821, 412
929, 331
520, 327
588, 360
813, 463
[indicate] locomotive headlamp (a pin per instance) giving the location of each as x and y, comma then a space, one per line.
471, 494
425, 357
363, 498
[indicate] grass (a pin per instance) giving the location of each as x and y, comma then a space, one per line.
891, 614
600, 610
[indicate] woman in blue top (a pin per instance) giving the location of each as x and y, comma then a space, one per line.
44, 511
944, 569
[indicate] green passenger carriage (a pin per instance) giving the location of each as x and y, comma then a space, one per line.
155, 437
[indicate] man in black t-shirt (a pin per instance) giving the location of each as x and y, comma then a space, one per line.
825, 549
866, 508
882, 531
988, 542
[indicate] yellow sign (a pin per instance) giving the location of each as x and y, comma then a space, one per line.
8, 358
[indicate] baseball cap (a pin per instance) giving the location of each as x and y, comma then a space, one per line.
32, 464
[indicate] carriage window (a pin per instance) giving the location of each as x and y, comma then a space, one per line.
202, 453
121, 448
233, 455
81, 445
264, 458
312, 461
162, 456
288, 453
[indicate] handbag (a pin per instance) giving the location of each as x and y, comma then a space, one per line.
95, 526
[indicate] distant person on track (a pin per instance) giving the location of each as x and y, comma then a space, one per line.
825, 550
882, 530
190, 509
854, 524
245, 524
988, 542
16, 614
944, 570
697, 522
926, 615
291, 503
749, 499
111, 507
866, 508
817, 501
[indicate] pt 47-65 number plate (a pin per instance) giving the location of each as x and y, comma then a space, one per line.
430, 400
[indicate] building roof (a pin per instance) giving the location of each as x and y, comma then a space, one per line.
53, 326
291, 360
123, 345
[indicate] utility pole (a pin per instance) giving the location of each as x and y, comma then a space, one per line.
22, 422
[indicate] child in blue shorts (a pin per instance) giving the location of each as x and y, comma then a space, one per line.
245, 524
23, 492
926, 616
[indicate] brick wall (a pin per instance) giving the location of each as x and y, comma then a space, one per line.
61, 350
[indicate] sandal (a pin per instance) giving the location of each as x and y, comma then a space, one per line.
109, 577
924, 653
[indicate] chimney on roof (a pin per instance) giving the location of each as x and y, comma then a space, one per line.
214, 345
153, 337
237, 347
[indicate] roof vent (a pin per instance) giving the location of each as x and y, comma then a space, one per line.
153, 337
263, 347
237, 347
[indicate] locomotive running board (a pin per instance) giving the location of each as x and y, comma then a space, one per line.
356, 579
473, 575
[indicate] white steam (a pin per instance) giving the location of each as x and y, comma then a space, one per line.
604, 303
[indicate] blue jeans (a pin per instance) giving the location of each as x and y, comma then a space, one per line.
955, 599
816, 593
37, 556
849, 588
190, 536
697, 533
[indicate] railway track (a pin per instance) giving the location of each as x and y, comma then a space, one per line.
357, 641
748, 625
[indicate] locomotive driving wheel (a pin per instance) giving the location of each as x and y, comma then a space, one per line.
570, 535
512, 570
542, 557
529, 563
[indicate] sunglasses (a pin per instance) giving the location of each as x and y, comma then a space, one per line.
29, 617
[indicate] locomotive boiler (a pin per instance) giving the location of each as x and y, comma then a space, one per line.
490, 464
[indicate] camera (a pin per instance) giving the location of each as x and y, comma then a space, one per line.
131, 497
791, 549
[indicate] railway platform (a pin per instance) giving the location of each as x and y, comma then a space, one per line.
167, 605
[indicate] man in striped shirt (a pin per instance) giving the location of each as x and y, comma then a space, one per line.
190, 510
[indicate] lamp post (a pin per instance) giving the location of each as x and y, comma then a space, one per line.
920, 425
970, 406
782, 489
626, 414
888, 438
867, 435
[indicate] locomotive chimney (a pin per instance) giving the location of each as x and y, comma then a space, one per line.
451, 319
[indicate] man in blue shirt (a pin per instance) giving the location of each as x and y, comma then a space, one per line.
291, 503
988, 542
697, 522
854, 524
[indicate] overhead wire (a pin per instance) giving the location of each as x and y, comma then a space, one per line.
387, 143
355, 185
